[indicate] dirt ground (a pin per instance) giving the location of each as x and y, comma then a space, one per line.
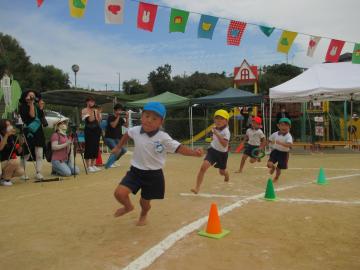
70, 224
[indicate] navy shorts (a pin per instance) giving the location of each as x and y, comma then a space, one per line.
249, 148
217, 157
279, 157
151, 183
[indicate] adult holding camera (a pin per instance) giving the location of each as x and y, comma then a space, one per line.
92, 117
32, 114
113, 132
62, 159
10, 165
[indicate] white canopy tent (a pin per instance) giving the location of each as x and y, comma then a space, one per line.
329, 81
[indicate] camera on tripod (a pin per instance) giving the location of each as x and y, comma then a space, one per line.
20, 127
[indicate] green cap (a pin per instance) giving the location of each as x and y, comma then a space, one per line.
285, 120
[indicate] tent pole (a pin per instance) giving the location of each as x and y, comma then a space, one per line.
270, 113
263, 116
345, 121
192, 128
303, 122
351, 119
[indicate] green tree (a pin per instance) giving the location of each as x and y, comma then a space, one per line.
134, 86
275, 75
160, 79
14, 61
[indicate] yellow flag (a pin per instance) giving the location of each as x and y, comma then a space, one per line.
77, 8
286, 40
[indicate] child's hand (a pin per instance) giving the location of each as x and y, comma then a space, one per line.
198, 152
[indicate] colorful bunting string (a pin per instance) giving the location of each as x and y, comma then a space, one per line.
114, 12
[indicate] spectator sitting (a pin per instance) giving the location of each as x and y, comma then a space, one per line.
10, 165
62, 160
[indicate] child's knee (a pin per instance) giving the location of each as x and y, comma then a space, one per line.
270, 164
222, 172
204, 167
252, 160
120, 193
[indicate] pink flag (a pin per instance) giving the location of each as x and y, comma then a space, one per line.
334, 50
313, 42
146, 16
235, 32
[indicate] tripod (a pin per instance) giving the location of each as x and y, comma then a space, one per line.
76, 146
21, 138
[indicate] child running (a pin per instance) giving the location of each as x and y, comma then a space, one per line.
280, 141
151, 145
217, 154
254, 139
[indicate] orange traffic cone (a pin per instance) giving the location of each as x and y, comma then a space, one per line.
99, 161
213, 228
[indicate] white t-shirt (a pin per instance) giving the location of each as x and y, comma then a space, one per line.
255, 136
215, 143
150, 152
276, 136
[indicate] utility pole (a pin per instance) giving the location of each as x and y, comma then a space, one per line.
118, 73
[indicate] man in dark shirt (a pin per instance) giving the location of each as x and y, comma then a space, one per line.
282, 114
113, 132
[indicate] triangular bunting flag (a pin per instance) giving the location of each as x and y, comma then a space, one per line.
40, 2
235, 32
178, 20
207, 26
313, 42
77, 8
114, 11
334, 50
267, 30
286, 40
356, 54
146, 16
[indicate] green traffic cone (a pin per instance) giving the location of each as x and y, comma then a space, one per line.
270, 192
321, 180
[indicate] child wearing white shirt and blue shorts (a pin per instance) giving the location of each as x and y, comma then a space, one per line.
281, 142
217, 154
145, 174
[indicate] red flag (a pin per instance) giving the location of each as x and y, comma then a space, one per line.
235, 32
39, 2
334, 50
146, 16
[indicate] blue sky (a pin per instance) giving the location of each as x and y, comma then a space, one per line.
51, 36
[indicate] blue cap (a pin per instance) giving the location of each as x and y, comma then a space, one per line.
156, 107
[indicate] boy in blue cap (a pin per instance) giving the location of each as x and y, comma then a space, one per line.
280, 141
151, 145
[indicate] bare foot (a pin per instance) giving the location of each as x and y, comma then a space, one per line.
226, 179
272, 170
122, 211
238, 171
194, 190
142, 221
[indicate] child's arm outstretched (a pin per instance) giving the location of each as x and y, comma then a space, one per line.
285, 144
121, 143
186, 151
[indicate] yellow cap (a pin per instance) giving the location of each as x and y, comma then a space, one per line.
222, 113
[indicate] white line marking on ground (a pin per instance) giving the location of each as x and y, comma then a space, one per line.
296, 200
326, 169
207, 195
147, 258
